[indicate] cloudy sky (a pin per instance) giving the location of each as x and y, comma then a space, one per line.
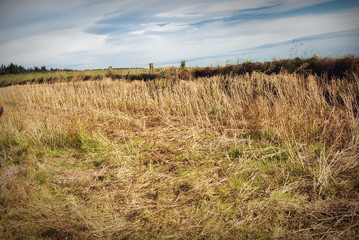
87, 34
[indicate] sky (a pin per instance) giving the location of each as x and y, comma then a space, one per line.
95, 34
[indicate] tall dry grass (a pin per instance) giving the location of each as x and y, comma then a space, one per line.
251, 156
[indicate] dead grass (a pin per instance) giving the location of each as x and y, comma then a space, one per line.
227, 157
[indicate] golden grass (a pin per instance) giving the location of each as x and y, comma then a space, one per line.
232, 157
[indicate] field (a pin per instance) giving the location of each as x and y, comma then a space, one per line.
249, 156
65, 76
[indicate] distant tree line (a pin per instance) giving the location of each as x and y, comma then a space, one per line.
18, 69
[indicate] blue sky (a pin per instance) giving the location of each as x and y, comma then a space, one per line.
89, 34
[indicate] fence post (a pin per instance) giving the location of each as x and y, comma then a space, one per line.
151, 67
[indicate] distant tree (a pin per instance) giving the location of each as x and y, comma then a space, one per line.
21, 69
12, 68
18, 69
183, 64
2, 69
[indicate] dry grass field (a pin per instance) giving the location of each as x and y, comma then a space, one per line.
226, 157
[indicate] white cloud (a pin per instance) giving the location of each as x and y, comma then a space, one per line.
49, 48
217, 38
212, 9
54, 32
